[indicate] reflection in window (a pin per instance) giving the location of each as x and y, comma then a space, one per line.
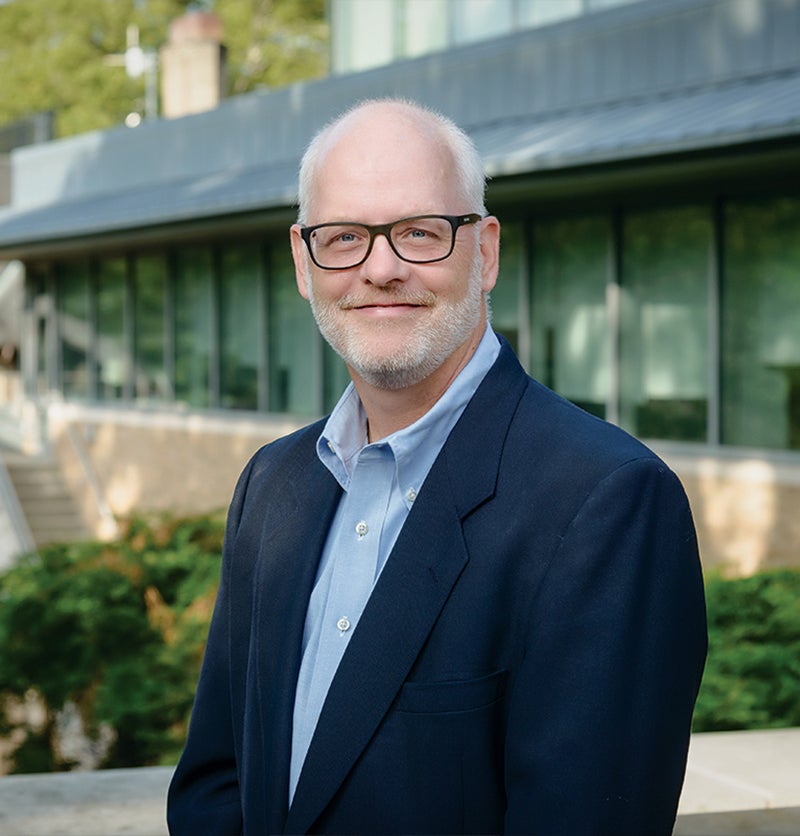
112, 357
294, 384
570, 347
366, 34
150, 374
193, 318
74, 329
335, 376
760, 333
424, 26
477, 20
241, 326
540, 12
664, 324
505, 298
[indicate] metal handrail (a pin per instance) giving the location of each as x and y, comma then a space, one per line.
98, 496
12, 510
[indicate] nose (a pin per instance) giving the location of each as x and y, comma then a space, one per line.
383, 265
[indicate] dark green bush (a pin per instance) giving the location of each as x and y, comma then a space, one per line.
752, 676
117, 629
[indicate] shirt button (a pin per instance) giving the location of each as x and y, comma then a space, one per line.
411, 494
343, 624
330, 447
361, 528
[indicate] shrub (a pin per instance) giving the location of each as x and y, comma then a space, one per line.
752, 676
116, 630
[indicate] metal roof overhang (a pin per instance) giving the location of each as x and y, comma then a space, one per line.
711, 119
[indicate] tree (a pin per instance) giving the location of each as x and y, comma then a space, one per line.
54, 59
273, 42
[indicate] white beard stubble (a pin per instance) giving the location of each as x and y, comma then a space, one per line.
430, 342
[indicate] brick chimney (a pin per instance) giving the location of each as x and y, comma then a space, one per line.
192, 65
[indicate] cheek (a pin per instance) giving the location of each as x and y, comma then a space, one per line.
454, 280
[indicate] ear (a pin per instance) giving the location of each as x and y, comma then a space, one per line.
300, 261
490, 251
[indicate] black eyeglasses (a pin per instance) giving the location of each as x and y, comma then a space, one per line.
421, 240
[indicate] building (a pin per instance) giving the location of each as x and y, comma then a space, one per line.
644, 159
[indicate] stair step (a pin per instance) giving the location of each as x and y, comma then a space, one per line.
48, 506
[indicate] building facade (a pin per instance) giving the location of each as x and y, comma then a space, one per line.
644, 164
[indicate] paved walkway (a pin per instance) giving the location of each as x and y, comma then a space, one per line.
736, 783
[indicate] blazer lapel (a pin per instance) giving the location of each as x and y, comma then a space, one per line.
296, 524
426, 562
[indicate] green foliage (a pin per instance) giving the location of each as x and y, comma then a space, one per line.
117, 629
752, 676
273, 42
54, 59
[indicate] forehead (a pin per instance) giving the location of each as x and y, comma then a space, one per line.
383, 165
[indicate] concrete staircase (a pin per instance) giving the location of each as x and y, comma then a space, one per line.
50, 510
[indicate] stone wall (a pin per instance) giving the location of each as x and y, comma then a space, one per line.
118, 463
746, 506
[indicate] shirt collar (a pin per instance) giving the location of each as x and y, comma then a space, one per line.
414, 447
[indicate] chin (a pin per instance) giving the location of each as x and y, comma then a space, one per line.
391, 376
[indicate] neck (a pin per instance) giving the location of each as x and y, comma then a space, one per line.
390, 410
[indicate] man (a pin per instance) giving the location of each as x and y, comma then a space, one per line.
459, 604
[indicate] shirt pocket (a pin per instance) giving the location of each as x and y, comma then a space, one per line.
452, 696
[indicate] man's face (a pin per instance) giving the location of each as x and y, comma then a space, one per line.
393, 322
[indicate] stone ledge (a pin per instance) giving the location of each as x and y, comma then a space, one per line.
736, 783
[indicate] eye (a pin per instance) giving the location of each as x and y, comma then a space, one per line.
421, 231
340, 237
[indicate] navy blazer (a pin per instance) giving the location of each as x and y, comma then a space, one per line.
528, 661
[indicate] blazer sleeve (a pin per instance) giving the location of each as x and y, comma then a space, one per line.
204, 792
601, 707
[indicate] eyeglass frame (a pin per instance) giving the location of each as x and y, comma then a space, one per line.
455, 221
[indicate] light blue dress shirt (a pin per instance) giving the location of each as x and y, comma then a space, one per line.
380, 481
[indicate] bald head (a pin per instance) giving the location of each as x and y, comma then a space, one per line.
381, 130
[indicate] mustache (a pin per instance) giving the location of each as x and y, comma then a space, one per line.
387, 297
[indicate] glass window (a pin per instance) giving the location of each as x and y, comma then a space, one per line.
294, 343
540, 12
570, 342
478, 20
74, 329
150, 373
112, 354
506, 300
664, 358
241, 326
335, 376
364, 34
193, 323
761, 324
424, 26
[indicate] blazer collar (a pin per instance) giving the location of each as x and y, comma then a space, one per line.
425, 563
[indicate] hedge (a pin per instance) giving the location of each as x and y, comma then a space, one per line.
115, 632
752, 675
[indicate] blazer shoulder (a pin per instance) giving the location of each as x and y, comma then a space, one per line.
552, 429
276, 463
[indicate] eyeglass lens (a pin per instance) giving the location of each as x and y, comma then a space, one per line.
417, 239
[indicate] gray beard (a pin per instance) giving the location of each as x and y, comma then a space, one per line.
428, 346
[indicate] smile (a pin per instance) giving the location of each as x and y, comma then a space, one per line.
387, 304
